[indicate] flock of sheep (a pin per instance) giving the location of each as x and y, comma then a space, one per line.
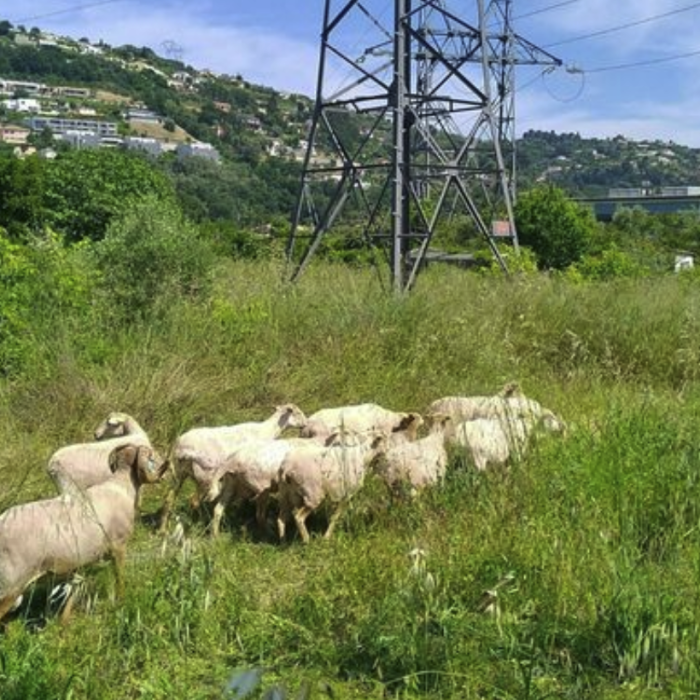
99, 482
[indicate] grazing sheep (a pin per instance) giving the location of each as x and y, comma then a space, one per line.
250, 474
417, 464
491, 441
198, 453
506, 405
312, 475
74, 468
359, 419
62, 534
494, 440
407, 431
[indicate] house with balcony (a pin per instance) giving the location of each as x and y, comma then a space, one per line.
16, 135
60, 125
198, 149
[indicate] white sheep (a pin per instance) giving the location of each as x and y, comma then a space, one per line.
250, 474
198, 453
358, 419
417, 464
313, 475
492, 441
62, 534
501, 406
74, 468
495, 440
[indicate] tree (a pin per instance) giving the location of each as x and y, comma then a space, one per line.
21, 195
5, 28
557, 229
42, 139
85, 189
152, 255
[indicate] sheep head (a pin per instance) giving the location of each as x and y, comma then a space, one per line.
441, 422
147, 465
290, 416
510, 389
552, 423
410, 423
112, 426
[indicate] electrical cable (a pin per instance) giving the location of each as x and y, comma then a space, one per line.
648, 62
546, 9
66, 10
627, 25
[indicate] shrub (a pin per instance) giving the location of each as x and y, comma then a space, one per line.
46, 283
558, 230
609, 264
150, 255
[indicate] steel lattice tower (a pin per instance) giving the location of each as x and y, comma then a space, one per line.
417, 124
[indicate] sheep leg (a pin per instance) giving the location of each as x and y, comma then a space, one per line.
261, 505
6, 604
219, 509
300, 516
340, 509
118, 554
67, 609
282, 518
169, 503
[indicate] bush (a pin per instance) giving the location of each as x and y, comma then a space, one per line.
46, 283
558, 230
152, 255
610, 264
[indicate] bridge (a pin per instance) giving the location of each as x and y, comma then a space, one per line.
665, 200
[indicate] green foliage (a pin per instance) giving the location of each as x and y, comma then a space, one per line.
591, 166
17, 276
150, 257
239, 193
235, 242
476, 589
558, 230
22, 206
86, 189
609, 264
46, 284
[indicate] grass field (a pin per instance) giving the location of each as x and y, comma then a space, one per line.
592, 543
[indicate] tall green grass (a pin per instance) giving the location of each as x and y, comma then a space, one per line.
590, 547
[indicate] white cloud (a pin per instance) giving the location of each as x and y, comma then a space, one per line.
260, 54
275, 43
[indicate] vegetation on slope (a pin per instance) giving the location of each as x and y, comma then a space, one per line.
572, 575
591, 541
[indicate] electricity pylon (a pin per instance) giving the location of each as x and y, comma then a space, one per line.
417, 126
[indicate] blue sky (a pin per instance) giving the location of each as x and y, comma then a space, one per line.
275, 43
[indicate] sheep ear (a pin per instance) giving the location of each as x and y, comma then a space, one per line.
406, 420
378, 442
148, 464
114, 459
119, 456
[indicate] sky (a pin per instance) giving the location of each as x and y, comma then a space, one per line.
630, 67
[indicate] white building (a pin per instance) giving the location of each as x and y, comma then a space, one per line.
26, 105
61, 126
198, 150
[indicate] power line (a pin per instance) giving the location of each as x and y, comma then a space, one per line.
648, 62
66, 10
546, 9
627, 25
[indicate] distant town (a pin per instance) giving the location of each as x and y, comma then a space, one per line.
63, 112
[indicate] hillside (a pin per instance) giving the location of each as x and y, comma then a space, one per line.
148, 96
157, 287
